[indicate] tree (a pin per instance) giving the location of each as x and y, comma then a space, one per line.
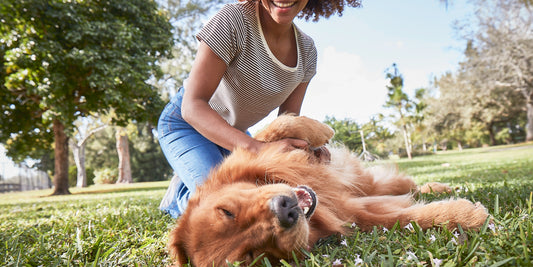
347, 132
148, 161
400, 103
187, 18
499, 64
418, 118
124, 163
447, 113
61, 60
376, 135
84, 129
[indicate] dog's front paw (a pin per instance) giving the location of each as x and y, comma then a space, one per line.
314, 132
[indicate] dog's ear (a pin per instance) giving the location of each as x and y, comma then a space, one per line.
314, 132
176, 245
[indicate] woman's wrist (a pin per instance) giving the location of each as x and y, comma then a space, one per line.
253, 145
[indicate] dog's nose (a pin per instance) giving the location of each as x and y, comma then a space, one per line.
286, 210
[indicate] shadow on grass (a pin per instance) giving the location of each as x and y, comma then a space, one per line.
119, 190
504, 196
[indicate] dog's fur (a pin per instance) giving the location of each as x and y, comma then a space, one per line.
234, 216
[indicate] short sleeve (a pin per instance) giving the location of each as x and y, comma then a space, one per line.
310, 66
223, 33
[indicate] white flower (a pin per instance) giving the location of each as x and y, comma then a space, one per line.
437, 262
337, 262
492, 227
357, 260
432, 238
385, 229
354, 225
344, 243
411, 256
409, 227
456, 237
325, 256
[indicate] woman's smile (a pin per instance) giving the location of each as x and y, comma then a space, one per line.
283, 12
284, 4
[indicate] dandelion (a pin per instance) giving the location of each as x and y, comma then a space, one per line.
337, 262
432, 238
436, 262
344, 243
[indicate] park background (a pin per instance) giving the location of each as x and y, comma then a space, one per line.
84, 83
441, 89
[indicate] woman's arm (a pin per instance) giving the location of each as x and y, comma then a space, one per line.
293, 103
205, 76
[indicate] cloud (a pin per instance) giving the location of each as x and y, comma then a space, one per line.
344, 87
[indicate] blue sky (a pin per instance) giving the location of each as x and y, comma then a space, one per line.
355, 50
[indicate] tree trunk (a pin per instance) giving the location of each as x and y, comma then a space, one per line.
124, 167
79, 158
61, 159
529, 125
492, 136
406, 139
78, 151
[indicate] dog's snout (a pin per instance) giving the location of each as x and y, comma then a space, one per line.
286, 210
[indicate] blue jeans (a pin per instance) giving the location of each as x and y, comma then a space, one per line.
190, 155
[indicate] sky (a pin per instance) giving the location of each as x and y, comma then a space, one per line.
355, 50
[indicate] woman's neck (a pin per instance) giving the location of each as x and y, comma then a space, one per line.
271, 28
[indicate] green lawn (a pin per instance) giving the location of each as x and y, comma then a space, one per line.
121, 225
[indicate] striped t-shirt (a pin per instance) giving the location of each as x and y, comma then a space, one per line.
255, 82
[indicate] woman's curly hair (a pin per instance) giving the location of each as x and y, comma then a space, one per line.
324, 8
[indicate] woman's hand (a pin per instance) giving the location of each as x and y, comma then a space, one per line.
287, 144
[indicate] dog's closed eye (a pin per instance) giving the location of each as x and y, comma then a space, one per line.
226, 213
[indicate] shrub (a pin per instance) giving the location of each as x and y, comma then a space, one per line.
73, 175
105, 176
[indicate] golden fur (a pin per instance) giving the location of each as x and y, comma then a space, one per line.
231, 217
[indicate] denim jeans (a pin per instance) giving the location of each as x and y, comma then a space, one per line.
190, 155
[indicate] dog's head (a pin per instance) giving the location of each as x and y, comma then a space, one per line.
243, 220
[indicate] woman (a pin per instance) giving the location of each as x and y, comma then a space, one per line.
251, 60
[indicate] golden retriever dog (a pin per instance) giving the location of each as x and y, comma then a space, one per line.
277, 203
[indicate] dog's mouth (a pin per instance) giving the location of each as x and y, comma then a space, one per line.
307, 200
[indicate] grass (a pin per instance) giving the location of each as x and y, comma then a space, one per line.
121, 225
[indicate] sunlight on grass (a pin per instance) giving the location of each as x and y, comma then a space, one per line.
120, 225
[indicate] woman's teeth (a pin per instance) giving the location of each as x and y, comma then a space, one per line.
284, 4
